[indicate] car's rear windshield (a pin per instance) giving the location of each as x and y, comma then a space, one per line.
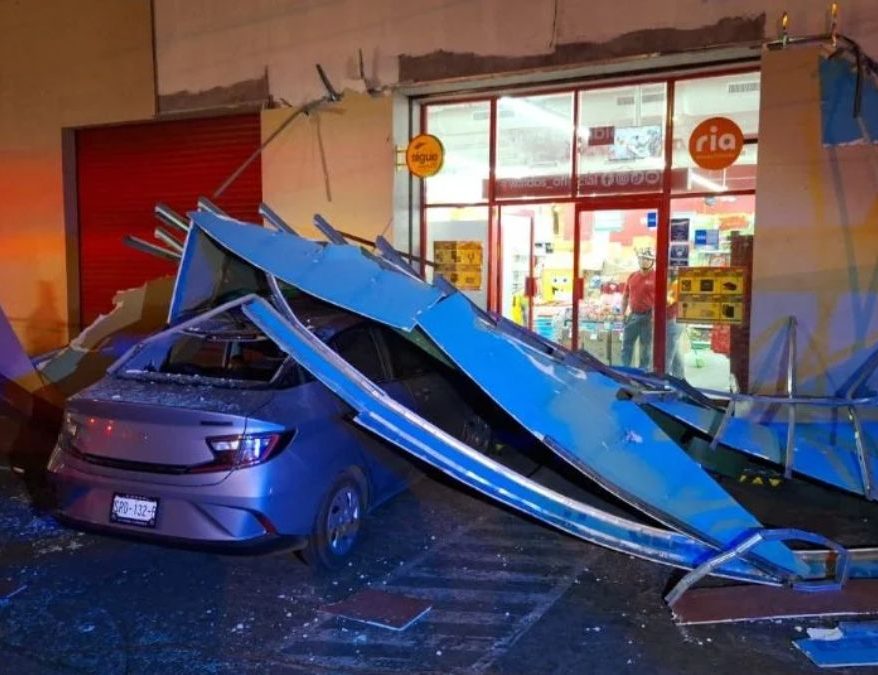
255, 360
218, 359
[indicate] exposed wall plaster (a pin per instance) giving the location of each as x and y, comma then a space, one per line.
253, 92
440, 65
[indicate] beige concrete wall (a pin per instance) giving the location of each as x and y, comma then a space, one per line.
338, 162
816, 244
202, 44
63, 63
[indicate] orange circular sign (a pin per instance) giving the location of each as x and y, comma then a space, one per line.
716, 143
424, 155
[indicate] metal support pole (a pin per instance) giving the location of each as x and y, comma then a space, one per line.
791, 393
271, 216
170, 217
152, 249
724, 422
741, 549
168, 240
863, 456
328, 231
393, 256
204, 204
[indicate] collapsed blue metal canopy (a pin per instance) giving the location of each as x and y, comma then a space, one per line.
583, 416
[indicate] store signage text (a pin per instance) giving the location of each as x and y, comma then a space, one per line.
589, 183
424, 155
716, 143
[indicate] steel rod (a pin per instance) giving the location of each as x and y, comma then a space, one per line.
332, 96
863, 456
170, 217
168, 240
152, 249
724, 422
204, 204
328, 231
791, 393
274, 219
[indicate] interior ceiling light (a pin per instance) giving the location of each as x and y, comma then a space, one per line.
530, 109
698, 179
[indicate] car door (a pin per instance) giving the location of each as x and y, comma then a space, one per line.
389, 468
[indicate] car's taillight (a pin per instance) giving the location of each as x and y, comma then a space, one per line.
241, 450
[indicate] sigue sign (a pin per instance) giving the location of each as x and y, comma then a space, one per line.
424, 155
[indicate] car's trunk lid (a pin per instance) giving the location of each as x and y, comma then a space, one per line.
156, 426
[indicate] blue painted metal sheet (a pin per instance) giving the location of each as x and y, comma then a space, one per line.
825, 453
838, 85
576, 414
851, 644
381, 414
339, 274
384, 416
580, 417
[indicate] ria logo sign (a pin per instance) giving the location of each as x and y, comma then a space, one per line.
716, 143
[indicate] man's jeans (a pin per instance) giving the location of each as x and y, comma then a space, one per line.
638, 327
673, 351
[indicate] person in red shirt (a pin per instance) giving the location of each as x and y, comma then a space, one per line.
638, 301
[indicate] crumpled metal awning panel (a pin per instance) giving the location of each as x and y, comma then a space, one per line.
575, 413
833, 463
580, 416
327, 271
379, 413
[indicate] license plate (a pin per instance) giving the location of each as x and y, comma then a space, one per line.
134, 510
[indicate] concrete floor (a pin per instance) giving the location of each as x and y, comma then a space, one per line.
508, 595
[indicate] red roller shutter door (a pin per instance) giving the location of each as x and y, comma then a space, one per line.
122, 171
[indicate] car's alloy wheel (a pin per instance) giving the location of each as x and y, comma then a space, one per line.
337, 526
343, 520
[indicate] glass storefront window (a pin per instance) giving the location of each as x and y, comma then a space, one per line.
536, 270
713, 231
617, 269
534, 146
544, 195
621, 139
457, 244
733, 96
464, 129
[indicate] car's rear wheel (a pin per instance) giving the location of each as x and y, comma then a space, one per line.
337, 528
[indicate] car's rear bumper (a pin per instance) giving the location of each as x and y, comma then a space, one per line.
236, 510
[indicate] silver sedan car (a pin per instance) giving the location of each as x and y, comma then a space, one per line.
213, 434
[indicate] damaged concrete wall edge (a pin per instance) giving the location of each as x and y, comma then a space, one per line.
253, 93
441, 65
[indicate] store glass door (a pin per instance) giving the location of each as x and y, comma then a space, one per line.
615, 292
708, 338
536, 270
